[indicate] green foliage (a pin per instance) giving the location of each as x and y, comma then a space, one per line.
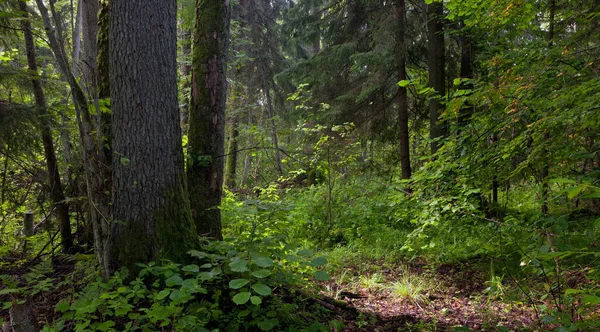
231, 287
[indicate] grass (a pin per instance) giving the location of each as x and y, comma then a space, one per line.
411, 287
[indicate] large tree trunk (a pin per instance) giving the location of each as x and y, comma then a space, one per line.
400, 52
151, 210
55, 186
207, 115
437, 81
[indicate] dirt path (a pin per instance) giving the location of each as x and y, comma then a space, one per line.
417, 298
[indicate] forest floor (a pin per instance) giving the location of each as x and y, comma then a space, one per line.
376, 296
417, 297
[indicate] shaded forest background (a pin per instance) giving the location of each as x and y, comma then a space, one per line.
233, 165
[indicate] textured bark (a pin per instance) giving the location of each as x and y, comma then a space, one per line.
437, 76
54, 182
22, 318
150, 207
400, 53
89, 54
230, 169
207, 115
77, 39
102, 48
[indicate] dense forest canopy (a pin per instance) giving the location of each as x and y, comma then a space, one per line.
319, 165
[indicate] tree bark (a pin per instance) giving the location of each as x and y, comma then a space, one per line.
207, 115
400, 52
151, 210
54, 182
437, 80
230, 170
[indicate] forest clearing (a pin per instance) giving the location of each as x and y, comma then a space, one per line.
299, 165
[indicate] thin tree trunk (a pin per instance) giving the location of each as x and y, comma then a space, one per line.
93, 173
437, 77
545, 158
248, 157
55, 186
466, 72
151, 210
90, 11
230, 169
77, 39
271, 115
400, 52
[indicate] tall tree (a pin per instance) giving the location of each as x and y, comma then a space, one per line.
54, 182
402, 99
151, 211
207, 115
437, 63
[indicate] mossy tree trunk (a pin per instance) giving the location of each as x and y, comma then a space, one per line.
207, 115
151, 210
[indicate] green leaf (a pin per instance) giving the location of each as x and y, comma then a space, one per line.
173, 280
305, 252
238, 283
263, 261
321, 276
191, 268
261, 274
255, 300
404, 83
574, 191
241, 298
62, 306
267, 325
319, 261
261, 289
591, 299
206, 266
105, 325
124, 161
239, 265
162, 294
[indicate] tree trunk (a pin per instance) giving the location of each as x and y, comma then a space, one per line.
55, 185
230, 170
271, 115
77, 38
90, 10
150, 207
466, 72
93, 167
437, 80
207, 115
400, 52
545, 158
